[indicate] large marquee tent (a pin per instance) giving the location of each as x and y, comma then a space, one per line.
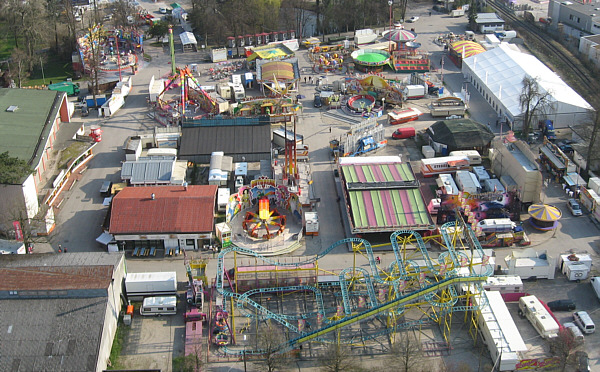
498, 75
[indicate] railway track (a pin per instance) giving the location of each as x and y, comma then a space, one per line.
578, 74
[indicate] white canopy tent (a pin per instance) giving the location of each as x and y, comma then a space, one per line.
188, 40
498, 75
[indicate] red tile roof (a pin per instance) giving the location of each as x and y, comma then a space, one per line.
173, 210
55, 277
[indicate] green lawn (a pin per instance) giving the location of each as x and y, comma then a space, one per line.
54, 70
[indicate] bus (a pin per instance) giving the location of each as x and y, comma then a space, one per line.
446, 164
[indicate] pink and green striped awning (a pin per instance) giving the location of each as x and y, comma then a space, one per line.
388, 210
367, 173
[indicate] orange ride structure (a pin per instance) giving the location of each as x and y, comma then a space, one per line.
258, 225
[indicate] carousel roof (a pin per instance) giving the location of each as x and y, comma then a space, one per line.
277, 70
545, 212
400, 35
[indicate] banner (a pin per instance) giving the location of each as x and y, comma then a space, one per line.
18, 231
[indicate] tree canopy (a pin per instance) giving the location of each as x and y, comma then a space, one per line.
13, 170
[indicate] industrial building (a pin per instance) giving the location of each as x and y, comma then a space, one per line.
59, 311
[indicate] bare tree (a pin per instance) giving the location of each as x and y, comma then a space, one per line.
593, 151
406, 355
533, 101
563, 345
189, 363
19, 65
338, 358
270, 341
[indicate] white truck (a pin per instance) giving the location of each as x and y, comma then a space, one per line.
457, 13
596, 285
467, 182
140, 285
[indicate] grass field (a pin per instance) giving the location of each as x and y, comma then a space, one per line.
54, 70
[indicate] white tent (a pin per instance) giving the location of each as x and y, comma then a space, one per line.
188, 40
498, 74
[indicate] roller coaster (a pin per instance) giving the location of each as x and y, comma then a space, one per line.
362, 303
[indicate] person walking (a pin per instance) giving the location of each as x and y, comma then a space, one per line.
65, 250
59, 248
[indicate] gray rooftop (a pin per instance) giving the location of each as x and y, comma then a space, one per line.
149, 171
53, 259
48, 334
488, 17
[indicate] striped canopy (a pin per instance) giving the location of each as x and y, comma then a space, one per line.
400, 36
470, 48
544, 212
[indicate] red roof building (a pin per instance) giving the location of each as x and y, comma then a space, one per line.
163, 217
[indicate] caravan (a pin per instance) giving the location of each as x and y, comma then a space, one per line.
159, 305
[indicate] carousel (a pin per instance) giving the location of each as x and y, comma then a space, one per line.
544, 217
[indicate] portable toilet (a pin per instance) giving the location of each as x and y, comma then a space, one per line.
292, 34
284, 35
240, 41
259, 40
266, 37
248, 38
231, 41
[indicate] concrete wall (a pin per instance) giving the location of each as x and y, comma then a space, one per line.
111, 318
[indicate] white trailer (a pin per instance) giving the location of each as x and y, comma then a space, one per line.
504, 284
499, 331
223, 194
529, 263
414, 91
446, 183
481, 173
467, 182
575, 266
538, 316
140, 285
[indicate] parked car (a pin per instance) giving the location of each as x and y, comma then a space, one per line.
583, 362
317, 101
565, 146
106, 188
562, 305
574, 207
575, 331
413, 19
162, 10
406, 132
584, 322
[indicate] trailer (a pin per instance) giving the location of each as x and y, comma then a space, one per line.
140, 285
457, 12
467, 182
414, 91
403, 116
530, 264
218, 55
575, 266
504, 284
531, 308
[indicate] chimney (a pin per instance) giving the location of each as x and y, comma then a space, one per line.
185, 185
152, 196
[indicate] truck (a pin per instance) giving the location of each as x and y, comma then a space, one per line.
506, 35
547, 128
575, 266
595, 281
368, 144
457, 12
281, 135
140, 285
69, 87
531, 308
496, 225
414, 91
467, 182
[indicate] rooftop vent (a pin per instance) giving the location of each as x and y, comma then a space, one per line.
12, 108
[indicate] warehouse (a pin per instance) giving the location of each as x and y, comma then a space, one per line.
498, 75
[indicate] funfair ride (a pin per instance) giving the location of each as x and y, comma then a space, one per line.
416, 288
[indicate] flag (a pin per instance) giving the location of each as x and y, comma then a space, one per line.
18, 231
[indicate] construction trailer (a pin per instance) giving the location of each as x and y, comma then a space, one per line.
530, 264
140, 285
575, 266
499, 331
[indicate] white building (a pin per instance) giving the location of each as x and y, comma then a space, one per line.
589, 46
498, 75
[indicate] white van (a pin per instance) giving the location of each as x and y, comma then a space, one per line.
473, 155
159, 305
584, 322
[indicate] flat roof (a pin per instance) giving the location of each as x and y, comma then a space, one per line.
22, 130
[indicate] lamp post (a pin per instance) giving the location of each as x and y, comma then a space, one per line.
390, 3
